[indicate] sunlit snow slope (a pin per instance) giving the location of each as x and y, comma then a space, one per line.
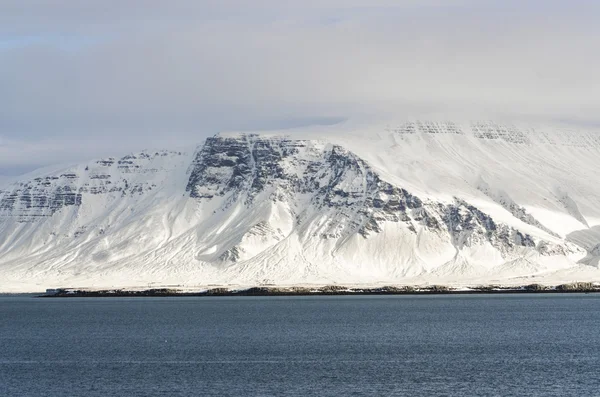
420, 202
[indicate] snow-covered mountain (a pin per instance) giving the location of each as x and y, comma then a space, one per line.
420, 202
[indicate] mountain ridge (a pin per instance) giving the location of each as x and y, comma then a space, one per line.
420, 202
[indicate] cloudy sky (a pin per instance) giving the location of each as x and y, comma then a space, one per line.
81, 79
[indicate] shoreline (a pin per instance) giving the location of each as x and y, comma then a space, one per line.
324, 291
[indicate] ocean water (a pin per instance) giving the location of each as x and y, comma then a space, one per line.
472, 345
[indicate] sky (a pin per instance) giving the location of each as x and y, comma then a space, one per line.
85, 79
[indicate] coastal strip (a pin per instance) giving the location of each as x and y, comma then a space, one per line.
577, 287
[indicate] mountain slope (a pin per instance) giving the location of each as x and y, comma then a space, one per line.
420, 202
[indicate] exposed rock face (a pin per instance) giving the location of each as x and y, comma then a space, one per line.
41, 197
508, 134
336, 182
508, 203
327, 177
427, 127
495, 132
35, 199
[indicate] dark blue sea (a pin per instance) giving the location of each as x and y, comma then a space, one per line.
471, 345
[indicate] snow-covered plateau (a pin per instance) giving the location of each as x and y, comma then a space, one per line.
413, 203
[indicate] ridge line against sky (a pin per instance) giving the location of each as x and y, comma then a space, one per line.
86, 79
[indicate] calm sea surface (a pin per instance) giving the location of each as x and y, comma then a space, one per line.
485, 345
